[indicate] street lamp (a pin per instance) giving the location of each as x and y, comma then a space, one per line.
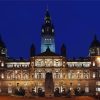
98, 60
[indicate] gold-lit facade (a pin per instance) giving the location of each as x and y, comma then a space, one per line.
67, 74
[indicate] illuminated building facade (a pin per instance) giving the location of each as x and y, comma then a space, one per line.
50, 69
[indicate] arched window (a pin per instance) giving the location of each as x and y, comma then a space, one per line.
70, 74
2, 64
86, 74
8, 76
39, 75
17, 75
25, 76
57, 75
2, 76
9, 88
86, 88
93, 74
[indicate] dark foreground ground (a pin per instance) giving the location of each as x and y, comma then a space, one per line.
47, 98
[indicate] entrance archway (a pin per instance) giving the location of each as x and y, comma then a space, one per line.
49, 85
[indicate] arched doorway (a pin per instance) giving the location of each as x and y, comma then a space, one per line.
49, 85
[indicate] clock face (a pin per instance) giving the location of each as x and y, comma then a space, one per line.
52, 30
42, 30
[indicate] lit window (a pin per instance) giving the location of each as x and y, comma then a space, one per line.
86, 89
18, 66
9, 65
22, 65
71, 64
9, 88
57, 63
98, 61
2, 64
93, 74
57, 75
93, 63
15, 71
98, 51
86, 74
39, 75
14, 65
70, 76
2, 76
98, 83
0, 90
99, 89
26, 76
25, 65
8, 77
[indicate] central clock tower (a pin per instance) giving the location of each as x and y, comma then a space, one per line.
47, 34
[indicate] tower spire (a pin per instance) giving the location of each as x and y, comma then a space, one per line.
47, 8
47, 34
63, 50
47, 16
95, 37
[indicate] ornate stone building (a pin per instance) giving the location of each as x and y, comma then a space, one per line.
49, 71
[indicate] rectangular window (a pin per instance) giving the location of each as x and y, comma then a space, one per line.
86, 89
93, 74
0, 90
98, 83
9, 89
98, 89
93, 63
